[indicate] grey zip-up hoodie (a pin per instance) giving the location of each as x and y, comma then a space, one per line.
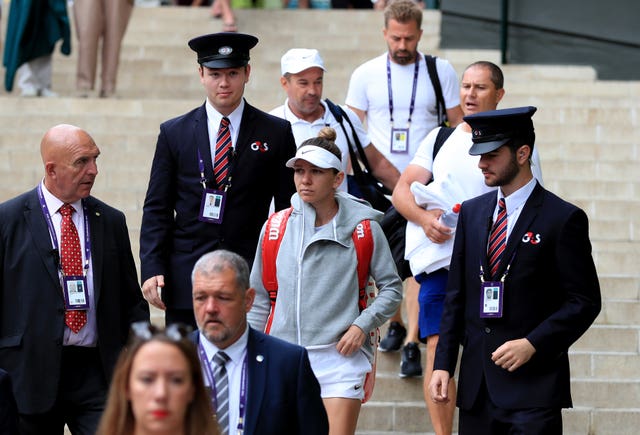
317, 277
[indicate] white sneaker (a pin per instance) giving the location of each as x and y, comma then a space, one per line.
29, 92
48, 93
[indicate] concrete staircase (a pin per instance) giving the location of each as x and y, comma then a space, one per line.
587, 134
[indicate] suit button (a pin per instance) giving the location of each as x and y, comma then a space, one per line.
487, 330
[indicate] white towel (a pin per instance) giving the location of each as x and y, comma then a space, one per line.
422, 253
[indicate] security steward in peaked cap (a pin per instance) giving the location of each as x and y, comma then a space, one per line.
490, 130
224, 49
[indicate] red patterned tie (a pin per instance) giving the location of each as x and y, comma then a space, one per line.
223, 145
498, 238
71, 259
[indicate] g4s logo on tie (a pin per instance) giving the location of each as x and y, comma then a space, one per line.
529, 237
260, 146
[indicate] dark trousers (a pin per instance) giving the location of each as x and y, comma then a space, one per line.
485, 418
173, 315
81, 396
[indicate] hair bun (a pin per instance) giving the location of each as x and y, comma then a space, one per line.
327, 133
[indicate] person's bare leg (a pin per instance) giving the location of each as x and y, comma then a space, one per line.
216, 9
412, 288
441, 414
343, 415
228, 18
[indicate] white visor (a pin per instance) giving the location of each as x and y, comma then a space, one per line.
316, 156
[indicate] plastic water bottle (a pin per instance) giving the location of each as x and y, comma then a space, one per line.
450, 217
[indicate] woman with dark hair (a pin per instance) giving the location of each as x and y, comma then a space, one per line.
157, 387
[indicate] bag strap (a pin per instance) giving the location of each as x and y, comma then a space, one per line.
441, 138
273, 235
363, 243
441, 108
356, 154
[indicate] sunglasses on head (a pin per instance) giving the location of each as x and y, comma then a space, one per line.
146, 331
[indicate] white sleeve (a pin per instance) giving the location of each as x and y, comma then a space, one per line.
536, 169
424, 154
448, 82
357, 92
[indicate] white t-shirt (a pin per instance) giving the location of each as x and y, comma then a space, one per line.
368, 91
303, 130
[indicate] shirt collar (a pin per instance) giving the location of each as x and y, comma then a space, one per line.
235, 351
519, 197
234, 117
54, 204
293, 119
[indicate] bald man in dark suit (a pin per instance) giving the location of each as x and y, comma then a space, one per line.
61, 356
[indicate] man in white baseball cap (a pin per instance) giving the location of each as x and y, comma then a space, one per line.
302, 79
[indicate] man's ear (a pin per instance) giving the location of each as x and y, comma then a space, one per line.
523, 153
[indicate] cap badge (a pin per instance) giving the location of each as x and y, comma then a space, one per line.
225, 51
477, 133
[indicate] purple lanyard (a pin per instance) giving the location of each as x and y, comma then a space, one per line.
227, 182
413, 92
52, 231
203, 179
214, 397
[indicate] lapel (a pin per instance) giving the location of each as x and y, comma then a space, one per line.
202, 141
96, 233
247, 126
257, 378
527, 215
37, 226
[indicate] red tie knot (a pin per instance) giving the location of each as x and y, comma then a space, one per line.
66, 210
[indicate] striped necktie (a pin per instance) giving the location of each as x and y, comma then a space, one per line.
223, 146
498, 238
222, 390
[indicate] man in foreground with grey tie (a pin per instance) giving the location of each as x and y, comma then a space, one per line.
258, 384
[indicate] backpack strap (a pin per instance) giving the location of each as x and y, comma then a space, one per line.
441, 138
355, 153
363, 243
441, 108
273, 234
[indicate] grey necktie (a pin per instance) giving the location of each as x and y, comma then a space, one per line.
222, 390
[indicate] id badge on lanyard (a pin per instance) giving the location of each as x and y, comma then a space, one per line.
76, 296
400, 140
213, 200
212, 206
492, 293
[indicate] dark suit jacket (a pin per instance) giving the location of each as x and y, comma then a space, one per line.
32, 305
551, 297
172, 238
283, 394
